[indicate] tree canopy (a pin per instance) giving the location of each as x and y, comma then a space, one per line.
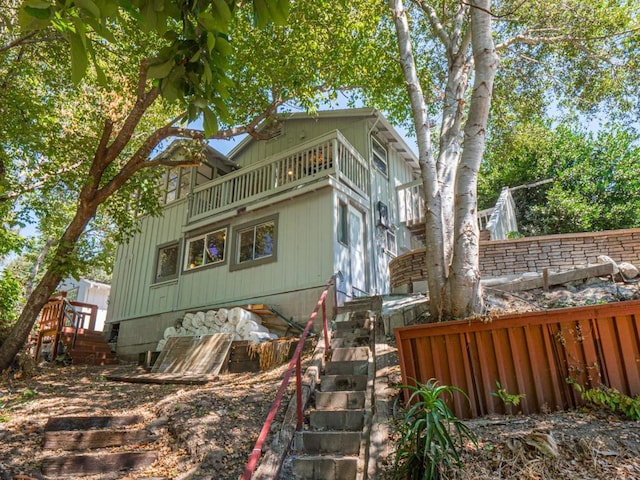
573, 56
146, 70
593, 178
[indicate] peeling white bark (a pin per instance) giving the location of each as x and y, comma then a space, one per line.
450, 181
465, 281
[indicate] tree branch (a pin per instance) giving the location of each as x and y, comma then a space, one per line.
17, 42
139, 159
457, 29
436, 24
16, 193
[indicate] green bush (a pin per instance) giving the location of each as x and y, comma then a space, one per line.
430, 435
610, 399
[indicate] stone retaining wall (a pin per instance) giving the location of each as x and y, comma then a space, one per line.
504, 257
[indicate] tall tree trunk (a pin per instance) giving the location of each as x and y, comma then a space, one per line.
437, 255
42, 292
465, 278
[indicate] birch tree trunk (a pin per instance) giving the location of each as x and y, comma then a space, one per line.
450, 181
438, 253
465, 278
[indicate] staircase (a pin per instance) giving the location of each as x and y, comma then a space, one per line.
68, 327
334, 445
90, 442
90, 347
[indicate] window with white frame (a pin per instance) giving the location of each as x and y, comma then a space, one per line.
167, 262
255, 243
379, 155
206, 249
390, 242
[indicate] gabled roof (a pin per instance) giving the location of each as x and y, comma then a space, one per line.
381, 126
176, 149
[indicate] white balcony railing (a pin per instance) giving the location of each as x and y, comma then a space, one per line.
500, 220
330, 154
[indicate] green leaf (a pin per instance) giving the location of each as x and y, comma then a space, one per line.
222, 8
79, 59
195, 57
89, 7
100, 76
223, 46
276, 13
170, 89
150, 16
80, 30
211, 41
38, 4
39, 13
161, 70
260, 13
208, 21
210, 122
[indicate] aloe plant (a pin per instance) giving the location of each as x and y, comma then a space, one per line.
430, 435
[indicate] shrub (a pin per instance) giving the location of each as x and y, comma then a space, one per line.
431, 436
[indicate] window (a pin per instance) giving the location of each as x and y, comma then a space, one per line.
390, 242
207, 249
379, 155
174, 184
343, 226
167, 262
255, 243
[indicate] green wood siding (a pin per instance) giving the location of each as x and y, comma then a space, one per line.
305, 232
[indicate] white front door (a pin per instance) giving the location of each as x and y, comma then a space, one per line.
358, 270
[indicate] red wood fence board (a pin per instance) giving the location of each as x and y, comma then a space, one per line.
531, 353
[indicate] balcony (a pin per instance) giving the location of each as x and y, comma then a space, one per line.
289, 172
494, 223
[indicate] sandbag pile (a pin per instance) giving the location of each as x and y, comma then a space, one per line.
241, 323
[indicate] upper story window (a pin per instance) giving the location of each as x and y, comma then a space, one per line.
255, 243
167, 262
175, 182
207, 249
379, 156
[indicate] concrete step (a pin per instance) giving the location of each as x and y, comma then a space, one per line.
350, 341
322, 443
339, 400
325, 468
341, 383
324, 420
352, 323
355, 332
359, 367
349, 354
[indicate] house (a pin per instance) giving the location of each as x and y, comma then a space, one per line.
268, 224
90, 292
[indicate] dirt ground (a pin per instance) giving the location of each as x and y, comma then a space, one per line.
202, 431
209, 431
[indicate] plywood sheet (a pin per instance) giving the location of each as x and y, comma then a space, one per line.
194, 355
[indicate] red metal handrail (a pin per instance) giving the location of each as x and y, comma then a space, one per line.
295, 362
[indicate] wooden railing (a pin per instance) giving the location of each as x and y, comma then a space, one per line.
59, 313
411, 202
412, 210
330, 154
295, 363
535, 354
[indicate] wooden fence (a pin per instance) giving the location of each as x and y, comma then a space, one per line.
536, 354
